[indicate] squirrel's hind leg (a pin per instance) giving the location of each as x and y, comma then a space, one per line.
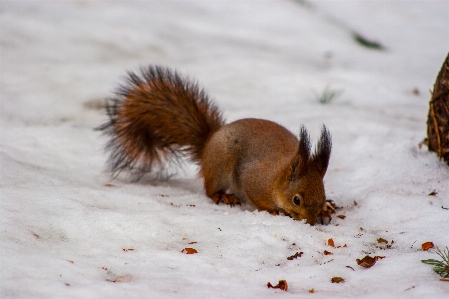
215, 191
216, 184
229, 199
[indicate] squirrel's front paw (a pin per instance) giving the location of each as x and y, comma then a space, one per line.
328, 208
229, 199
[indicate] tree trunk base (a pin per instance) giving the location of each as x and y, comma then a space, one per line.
438, 118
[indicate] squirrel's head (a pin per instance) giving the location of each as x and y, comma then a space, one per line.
303, 194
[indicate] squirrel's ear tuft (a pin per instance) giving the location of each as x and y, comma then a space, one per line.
298, 166
323, 151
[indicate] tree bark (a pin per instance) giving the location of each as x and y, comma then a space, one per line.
438, 118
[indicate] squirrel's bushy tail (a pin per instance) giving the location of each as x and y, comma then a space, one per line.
157, 116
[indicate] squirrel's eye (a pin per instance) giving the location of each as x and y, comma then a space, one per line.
296, 200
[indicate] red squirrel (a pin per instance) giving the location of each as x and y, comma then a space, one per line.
159, 116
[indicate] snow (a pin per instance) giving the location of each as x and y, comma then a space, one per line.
70, 231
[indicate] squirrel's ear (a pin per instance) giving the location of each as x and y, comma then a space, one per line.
323, 152
298, 166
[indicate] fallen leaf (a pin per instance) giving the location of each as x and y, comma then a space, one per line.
127, 249
330, 242
189, 251
337, 279
327, 252
296, 255
192, 242
350, 268
281, 285
71, 261
119, 278
355, 203
109, 185
368, 261
426, 246
312, 291
341, 216
433, 193
444, 279
382, 240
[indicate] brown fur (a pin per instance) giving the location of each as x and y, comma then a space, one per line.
160, 116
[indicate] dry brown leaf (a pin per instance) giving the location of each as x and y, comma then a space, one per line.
192, 242
382, 240
337, 279
341, 216
426, 246
296, 255
355, 203
312, 291
330, 242
189, 251
281, 285
444, 279
327, 252
368, 261
109, 185
433, 193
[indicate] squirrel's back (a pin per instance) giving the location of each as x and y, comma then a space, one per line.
247, 156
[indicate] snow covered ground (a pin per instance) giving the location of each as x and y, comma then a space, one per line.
69, 231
